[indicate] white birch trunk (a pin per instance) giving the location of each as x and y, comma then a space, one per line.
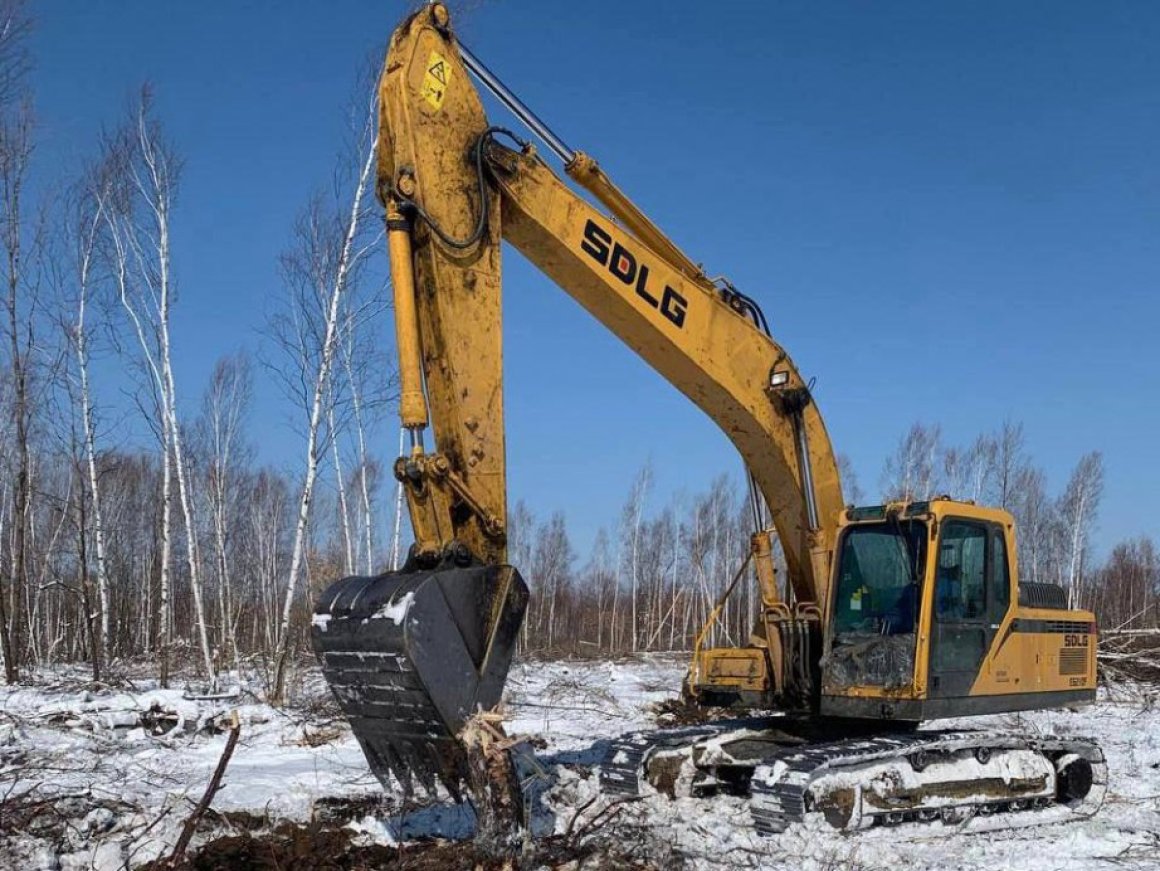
343, 510
368, 525
80, 346
321, 384
366, 515
119, 236
163, 599
1076, 555
157, 193
229, 638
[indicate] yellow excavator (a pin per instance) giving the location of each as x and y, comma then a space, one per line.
888, 615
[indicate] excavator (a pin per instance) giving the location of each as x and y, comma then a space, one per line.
881, 617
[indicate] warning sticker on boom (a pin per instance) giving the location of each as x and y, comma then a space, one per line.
435, 80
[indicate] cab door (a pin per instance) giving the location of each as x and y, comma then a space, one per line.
961, 622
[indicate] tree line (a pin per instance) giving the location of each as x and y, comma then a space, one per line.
134, 519
654, 575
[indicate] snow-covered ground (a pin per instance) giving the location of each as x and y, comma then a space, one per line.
113, 793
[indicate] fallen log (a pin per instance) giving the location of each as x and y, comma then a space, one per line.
215, 783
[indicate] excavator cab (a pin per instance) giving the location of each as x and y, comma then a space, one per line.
878, 590
929, 619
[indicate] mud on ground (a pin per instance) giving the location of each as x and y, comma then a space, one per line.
327, 847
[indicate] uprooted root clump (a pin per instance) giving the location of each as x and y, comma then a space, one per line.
319, 847
680, 712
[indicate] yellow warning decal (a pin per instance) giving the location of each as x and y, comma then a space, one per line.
435, 80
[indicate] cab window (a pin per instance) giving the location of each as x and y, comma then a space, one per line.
1000, 577
879, 568
960, 580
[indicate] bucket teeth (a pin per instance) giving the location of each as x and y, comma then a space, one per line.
429, 764
425, 766
413, 762
399, 771
452, 780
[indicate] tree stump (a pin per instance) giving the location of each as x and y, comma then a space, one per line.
493, 785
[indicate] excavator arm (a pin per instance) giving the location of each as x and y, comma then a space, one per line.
453, 189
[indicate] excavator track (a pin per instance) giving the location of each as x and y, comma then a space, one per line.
622, 771
927, 776
854, 783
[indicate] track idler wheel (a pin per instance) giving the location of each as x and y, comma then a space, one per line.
1074, 778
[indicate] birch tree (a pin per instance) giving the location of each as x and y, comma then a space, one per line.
140, 230
912, 471
550, 572
601, 578
320, 271
15, 153
78, 511
632, 523
1009, 460
1035, 523
1077, 510
521, 542
1126, 588
86, 218
15, 24
224, 410
19, 240
344, 519
370, 385
979, 466
851, 490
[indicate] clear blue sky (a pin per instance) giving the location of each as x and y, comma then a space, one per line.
950, 212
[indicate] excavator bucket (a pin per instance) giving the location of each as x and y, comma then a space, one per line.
411, 655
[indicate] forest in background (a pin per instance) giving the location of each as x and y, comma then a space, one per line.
187, 552
654, 574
